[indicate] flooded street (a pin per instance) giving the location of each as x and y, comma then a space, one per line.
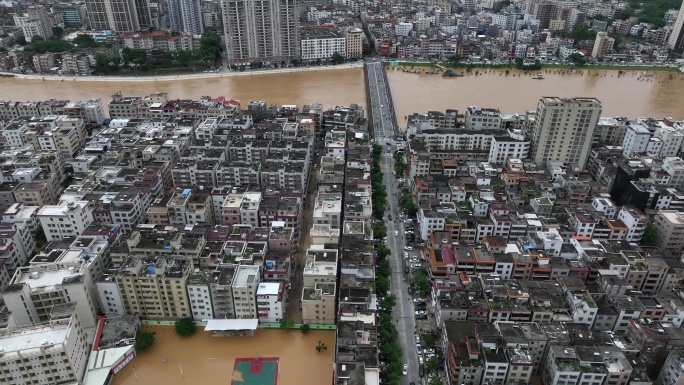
631, 94
208, 360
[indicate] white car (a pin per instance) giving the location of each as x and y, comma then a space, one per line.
416, 265
409, 248
417, 339
396, 233
405, 370
414, 259
406, 255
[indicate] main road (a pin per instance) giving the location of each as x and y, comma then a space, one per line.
385, 130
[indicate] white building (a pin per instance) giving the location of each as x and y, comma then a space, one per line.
65, 219
55, 352
271, 301
403, 29
323, 46
671, 138
636, 140
34, 290
674, 167
111, 303
507, 147
186, 16
199, 295
245, 284
635, 221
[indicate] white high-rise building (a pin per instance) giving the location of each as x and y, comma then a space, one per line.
35, 290
245, 284
603, 44
65, 219
260, 30
564, 128
186, 16
50, 353
677, 36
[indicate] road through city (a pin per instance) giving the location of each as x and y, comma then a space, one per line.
384, 130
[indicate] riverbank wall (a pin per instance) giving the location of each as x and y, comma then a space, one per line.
202, 75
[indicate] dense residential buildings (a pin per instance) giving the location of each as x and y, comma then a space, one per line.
533, 258
186, 16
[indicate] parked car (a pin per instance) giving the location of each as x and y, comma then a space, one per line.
429, 351
421, 370
417, 338
389, 217
396, 233
414, 259
421, 312
406, 256
409, 248
405, 370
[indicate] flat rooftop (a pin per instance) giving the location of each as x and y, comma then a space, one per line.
33, 337
245, 275
47, 277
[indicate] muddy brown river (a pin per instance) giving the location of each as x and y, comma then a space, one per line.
632, 94
208, 360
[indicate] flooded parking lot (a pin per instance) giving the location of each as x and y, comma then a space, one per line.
208, 360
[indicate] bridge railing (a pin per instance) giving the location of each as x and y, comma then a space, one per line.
262, 325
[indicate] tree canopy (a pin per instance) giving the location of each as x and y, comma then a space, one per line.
185, 327
650, 237
53, 44
144, 340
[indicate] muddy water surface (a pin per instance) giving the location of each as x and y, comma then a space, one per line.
208, 360
335, 87
631, 94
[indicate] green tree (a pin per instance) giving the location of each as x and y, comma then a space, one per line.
287, 324
421, 281
40, 234
305, 328
337, 58
40, 45
382, 251
454, 59
295, 62
431, 365
429, 341
389, 302
133, 56
57, 31
625, 14
185, 327
321, 346
379, 230
210, 47
582, 32
650, 237
84, 40
436, 380
21, 40
578, 59
144, 340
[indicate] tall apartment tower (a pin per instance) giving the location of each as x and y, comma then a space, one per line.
677, 37
260, 30
119, 15
563, 129
603, 45
186, 16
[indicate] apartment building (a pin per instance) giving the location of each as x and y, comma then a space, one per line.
635, 221
187, 207
221, 290
35, 290
561, 366
260, 30
354, 42
328, 209
17, 243
155, 287
53, 352
199, 295
319, 280
245, 284
563, 129
322, 45
119, 15
186, 16
271, 299
673, 370
670, 225
37, 21
65, 220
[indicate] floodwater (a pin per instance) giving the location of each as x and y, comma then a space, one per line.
332, 88
632, 94
208, 360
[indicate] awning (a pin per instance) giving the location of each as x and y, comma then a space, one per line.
231, 324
